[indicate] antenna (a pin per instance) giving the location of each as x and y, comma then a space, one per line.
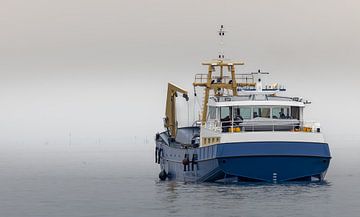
260, 72
221, 47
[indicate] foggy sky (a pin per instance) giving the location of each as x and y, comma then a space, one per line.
99, 69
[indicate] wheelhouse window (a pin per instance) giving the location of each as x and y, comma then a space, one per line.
243, 113
261, 112
212, 113
281, 113
225, 113
245, 118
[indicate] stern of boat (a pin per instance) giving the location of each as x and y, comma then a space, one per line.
274, 161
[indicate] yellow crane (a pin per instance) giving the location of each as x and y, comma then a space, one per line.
170, 122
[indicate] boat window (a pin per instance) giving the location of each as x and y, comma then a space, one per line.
245, 113
295, 112
280, 112
261, 112
212, 112
242, 112
225, 114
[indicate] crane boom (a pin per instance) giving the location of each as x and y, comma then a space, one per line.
170, 122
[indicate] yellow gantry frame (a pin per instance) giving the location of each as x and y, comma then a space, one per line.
170, 122
218, 86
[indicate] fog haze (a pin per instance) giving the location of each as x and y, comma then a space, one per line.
82, 94
99, 70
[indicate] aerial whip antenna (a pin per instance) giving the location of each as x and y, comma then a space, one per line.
221, 47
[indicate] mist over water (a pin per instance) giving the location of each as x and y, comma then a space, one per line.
108, 180
82, 94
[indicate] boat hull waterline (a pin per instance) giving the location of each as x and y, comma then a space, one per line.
268, 161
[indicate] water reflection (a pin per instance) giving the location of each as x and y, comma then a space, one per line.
177, 197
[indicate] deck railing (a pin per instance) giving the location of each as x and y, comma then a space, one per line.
257, 126
240, 78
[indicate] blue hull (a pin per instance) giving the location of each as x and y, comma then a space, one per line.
274, 161
275, 168
247, 161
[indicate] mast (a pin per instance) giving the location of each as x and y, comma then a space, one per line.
225, 79
221, 46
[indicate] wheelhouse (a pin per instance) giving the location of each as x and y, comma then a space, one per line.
256, 115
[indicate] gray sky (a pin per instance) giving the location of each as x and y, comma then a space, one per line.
99, 68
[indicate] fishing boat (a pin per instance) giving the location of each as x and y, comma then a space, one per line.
247, 132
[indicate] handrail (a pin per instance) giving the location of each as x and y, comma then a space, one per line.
235, 127
240, 78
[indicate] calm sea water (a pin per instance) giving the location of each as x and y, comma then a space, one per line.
106, 180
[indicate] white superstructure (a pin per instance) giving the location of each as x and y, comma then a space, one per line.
258, 115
